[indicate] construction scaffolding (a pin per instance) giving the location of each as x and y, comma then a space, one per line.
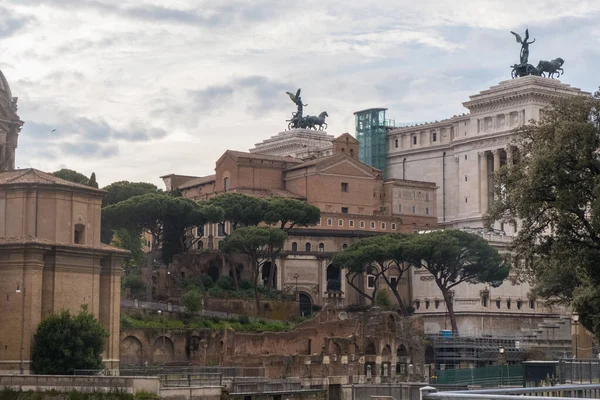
450, 352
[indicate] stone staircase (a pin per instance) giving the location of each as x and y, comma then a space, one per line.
552, 335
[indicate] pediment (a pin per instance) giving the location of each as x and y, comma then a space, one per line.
348, 167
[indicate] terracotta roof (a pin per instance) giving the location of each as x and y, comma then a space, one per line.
197, 181
257, 156
34, 176
327, 158
28, 239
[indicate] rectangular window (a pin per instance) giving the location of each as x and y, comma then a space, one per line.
393, 227
221, 229
200, 231
371, 282
531, 303
414, 209
396, 143
466, 200
344, 187
344, 210
362, 224
351, 223
414, 194
414, 140
400, 208
466, 179
372, 225
426, 196
383, 225
329, 221
466, 157
340, 222
426, 210
434, 137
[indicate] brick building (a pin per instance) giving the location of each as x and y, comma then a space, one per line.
354, 199
51, 258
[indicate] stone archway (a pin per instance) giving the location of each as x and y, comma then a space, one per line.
213, 271
266, 272
387, 351
305, 304
131, 351
163, 350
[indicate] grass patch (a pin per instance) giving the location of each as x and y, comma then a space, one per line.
148, 321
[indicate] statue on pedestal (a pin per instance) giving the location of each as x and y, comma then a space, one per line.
305, 122
543, 67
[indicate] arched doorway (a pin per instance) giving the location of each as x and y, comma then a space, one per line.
334, 278
164, 350
266, 272
213, 270
131, 351
305, 304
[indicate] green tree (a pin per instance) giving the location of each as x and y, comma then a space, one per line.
240, 209
72, 176
288, 213
553, 191
124, 190
383, 257
124, 239
168, 219
192, 301
92, 182
64, 343
260, 244
454, 257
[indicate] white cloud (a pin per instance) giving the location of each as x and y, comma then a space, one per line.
169, 86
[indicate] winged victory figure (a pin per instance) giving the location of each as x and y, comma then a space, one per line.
298, 102
524, 46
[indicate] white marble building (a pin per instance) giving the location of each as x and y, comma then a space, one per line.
461, 154
297, 143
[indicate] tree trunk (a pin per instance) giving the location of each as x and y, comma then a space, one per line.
401, 305
271, 274
450, 308
255, 282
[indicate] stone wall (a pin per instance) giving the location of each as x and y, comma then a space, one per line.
331, 344
271, 309
80, 383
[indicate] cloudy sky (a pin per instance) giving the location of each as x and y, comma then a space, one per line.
141, 88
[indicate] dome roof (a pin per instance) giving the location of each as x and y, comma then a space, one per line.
4, 87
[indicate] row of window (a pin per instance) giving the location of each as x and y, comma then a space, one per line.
413, 209
484, 302
362, 224
308, 247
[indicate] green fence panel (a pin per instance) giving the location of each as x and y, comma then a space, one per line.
494, 375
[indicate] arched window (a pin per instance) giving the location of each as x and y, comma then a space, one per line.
344, 246
226, 184
308, 247
200, 245
321, 247
79, 234
294, 247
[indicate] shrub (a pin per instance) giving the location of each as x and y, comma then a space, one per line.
207, 281
225, 283
65, 342
245, 285
243, 319
133, 282
382, 299
192, 301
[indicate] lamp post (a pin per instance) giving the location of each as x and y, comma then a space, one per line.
18, 291
575, 317
501, 351
164, 333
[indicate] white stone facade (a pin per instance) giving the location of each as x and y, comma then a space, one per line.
297, 143
461, 154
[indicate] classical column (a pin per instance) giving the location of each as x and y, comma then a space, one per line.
496, 154
509, 155
483, 182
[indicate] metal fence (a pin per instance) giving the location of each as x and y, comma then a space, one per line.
541, 393
188, 380
399, 391
493, 375
272, 386
579, 371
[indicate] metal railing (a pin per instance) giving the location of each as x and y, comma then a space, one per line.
190, 379
225, 372
540, 393
272, 386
